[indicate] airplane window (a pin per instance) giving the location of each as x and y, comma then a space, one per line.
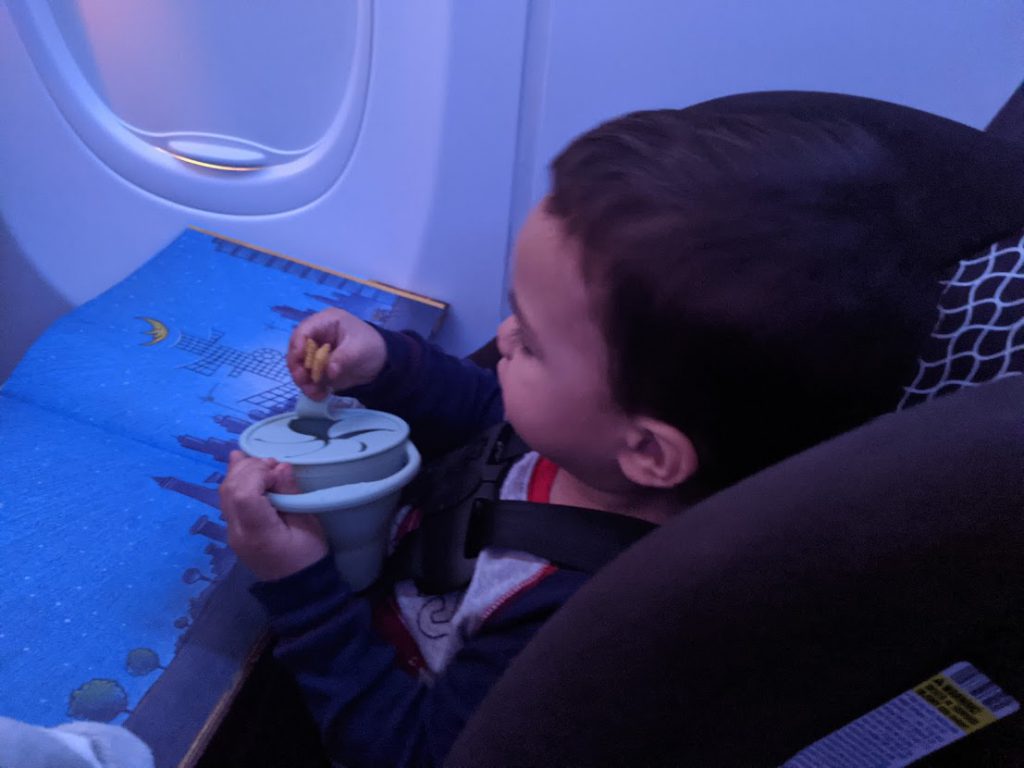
258, 72
221, 85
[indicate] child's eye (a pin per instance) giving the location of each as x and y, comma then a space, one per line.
517, 339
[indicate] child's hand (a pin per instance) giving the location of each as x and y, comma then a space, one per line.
273, 544
358, 352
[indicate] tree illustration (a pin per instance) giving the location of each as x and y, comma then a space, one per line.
99, 699
142, 661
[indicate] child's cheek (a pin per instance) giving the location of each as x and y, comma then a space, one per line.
514, 393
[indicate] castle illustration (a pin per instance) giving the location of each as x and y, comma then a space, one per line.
268, 363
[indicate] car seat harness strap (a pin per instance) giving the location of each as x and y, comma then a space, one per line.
462, 514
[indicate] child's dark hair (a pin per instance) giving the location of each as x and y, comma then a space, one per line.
752, 274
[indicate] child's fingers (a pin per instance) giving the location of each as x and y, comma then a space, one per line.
316, 350
243, 496
307, 524
296, 353
283, 480
314, 391
272, 545
333, 368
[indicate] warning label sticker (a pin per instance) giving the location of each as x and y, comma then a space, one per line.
946, 707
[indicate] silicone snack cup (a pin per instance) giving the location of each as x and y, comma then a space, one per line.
355, 516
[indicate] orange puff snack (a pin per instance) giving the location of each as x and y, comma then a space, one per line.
315, 360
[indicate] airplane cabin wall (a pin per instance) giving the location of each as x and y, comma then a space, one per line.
465, 105
422, 202
590, 61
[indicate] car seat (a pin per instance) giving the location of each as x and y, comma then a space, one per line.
782, 608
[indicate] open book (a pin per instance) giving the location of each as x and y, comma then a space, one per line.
114, 433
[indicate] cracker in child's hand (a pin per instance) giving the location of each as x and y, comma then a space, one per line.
310, 351
320, 362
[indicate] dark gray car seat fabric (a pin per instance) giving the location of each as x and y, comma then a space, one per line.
787, 605
1008, 122
967, 184
781, 608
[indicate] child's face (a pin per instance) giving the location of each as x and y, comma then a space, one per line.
554, 366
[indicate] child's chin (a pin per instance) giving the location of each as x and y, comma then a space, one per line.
528, 435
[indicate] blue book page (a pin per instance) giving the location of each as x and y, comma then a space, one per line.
189, 350
110, 550
114, 433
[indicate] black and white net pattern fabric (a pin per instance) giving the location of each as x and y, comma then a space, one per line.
979, 336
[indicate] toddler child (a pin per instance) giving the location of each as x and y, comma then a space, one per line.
700, 295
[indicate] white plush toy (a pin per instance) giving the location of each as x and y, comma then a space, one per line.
79, 744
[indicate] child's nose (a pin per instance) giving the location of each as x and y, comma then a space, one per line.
504, 331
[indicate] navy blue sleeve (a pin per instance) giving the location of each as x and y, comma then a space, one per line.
446, 400
370, 712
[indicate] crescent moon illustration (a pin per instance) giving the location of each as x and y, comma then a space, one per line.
157, 330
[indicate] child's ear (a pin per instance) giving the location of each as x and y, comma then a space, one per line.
656, 454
